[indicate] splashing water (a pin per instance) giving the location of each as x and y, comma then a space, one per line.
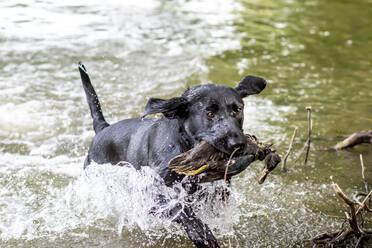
110, 198
312, 53
121, 200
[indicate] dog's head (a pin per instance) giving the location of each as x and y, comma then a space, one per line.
210, 112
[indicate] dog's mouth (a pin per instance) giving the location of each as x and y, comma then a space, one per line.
221, 146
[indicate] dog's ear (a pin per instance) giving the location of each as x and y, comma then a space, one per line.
250, 85
171, 108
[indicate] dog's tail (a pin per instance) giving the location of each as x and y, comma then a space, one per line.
99, 122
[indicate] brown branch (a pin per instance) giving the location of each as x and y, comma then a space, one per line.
354, 231
360, 194
289, 149
355, 139
363, 205
308, 142
263, 176
322, 238
365, 182
341, 194
363, 174
341, 236
352, 214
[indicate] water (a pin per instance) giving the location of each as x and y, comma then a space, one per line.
313, 53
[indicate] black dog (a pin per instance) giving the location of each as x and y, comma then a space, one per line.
213, 113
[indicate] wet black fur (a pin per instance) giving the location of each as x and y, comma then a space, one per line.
209, 112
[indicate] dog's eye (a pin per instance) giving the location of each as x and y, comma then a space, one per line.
210, 115
237, 110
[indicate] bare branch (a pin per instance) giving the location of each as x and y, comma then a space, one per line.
355, 230
363, 204
351, 215
289, 149
355, 139
341, 194
363, 174
308, 142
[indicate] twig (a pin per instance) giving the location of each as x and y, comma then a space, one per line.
363, 172
289, 149
341, 236
308, 141
310, 131
227, 213
322, 238
363, 204
364, 175
229, 162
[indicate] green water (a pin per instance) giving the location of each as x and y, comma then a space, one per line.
312, 53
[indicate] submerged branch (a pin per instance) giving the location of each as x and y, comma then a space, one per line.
355, 139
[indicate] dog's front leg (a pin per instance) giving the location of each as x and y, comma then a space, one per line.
199, 233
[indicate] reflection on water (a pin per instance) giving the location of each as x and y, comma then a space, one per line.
313, 53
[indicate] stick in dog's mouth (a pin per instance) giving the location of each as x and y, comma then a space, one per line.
204, 159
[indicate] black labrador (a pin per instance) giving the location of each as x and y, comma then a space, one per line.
213, 113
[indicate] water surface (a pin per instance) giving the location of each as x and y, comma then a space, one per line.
313, 53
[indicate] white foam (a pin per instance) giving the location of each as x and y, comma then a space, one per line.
120, 194
24, 117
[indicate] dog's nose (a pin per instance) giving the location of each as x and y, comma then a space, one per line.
238, 145
236, 142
